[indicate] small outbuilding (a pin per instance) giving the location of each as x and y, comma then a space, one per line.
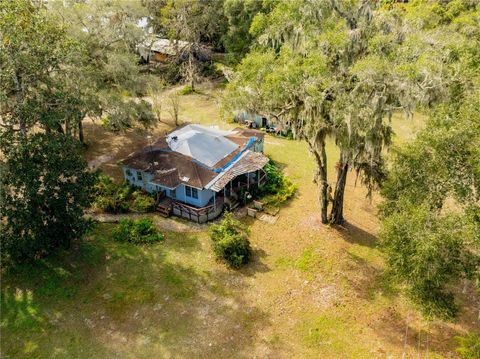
163, 50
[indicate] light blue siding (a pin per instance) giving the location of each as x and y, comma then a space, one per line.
131, 177
203, 196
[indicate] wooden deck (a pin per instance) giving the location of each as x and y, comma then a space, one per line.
198, 214
164, 206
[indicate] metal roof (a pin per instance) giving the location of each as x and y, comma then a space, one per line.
171, 168
249, 162
206, 145
164, 46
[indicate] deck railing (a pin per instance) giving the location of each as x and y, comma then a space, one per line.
198, 214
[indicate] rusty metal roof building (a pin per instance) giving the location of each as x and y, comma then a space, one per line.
200, 156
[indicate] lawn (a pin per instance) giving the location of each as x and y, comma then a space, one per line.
310, 292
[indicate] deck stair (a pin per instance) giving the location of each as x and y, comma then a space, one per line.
234, 204
164, 207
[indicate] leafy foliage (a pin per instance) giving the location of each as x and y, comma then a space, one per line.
111, 197
142, 202
278, 188
107, 70
239, 16
45, 187
195, 22
140, 231
431, 213
469, 346
230, 241
186, 90
114, 198
37, 63
427, 252
333, 68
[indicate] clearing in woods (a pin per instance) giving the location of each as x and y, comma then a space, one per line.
310, 292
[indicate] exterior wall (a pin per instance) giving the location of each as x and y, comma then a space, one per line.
133, 180
204, 196
258, 146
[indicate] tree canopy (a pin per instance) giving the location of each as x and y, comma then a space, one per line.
431, 212
337, 69
45, 183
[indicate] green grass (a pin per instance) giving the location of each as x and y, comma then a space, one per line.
310, 291
92, 300
61, 295
332, 335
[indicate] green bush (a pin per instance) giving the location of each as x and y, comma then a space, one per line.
142, 202
186, 90
230, 241
140, 231
278, 188
114, 198
469, 346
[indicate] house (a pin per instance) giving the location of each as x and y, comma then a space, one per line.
197, 170
162, 50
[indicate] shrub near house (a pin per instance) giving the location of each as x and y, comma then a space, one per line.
278, 188
114, 198
230, 241
140, 231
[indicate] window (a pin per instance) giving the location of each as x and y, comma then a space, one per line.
139, 176
173, 193
195, 193
191, 192
128, 172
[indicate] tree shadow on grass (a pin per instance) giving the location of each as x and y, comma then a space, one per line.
256, 264
108, 299
186, 242
368, 280
32, 302
406, 330
354, 234
186, 311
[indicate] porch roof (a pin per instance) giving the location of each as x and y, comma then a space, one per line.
249, 162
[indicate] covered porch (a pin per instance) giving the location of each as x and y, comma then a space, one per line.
239, 178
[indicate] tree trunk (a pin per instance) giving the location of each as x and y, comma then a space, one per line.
322, 171
80, 132
68, 130
318, 150
191, 70
336, 215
